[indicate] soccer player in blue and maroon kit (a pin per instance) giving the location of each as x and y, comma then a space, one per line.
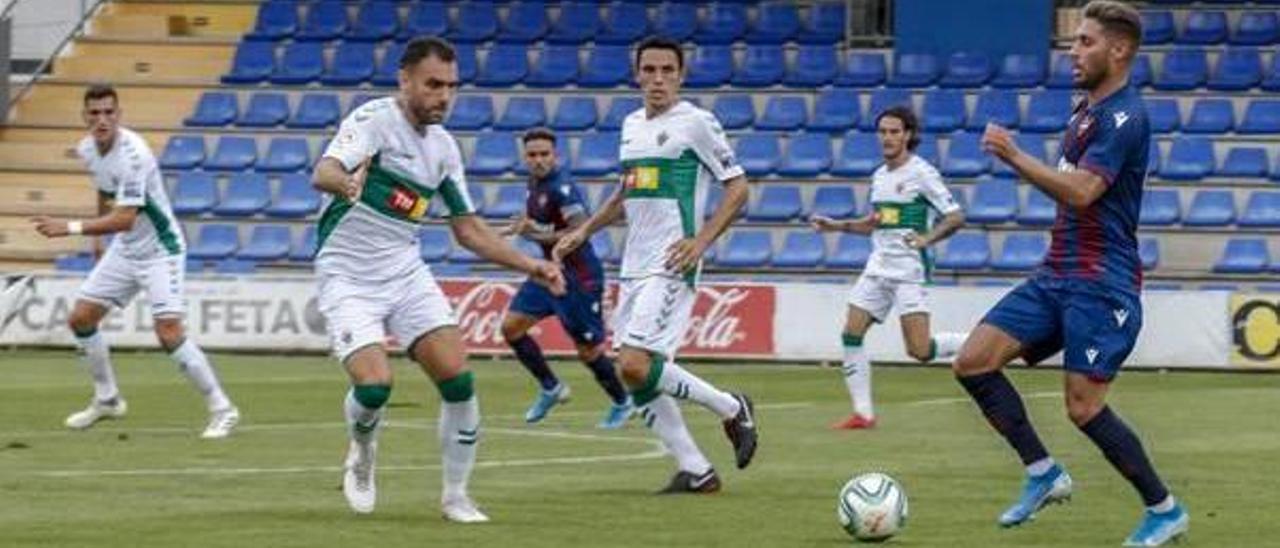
1084, 300
554, 206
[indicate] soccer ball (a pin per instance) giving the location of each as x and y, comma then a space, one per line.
872, 507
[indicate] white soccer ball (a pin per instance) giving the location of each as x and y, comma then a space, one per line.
872, 507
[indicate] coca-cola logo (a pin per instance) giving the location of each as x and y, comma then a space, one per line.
717, 326
480, 310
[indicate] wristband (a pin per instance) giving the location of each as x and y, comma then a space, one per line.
75, 227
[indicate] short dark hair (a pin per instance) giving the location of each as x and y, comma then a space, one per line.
100, 91
1116, 18
538, 133
658, 42
427, 46
909, 123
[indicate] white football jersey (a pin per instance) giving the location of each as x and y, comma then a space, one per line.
129, 176
908, 199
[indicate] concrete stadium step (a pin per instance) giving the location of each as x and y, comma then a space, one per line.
34, 193
167, 62
19, 241
164, 19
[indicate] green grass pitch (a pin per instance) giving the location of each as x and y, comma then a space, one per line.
147, 481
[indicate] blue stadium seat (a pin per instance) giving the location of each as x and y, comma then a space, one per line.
509, 202
183, 152
233, 154
267, 243
1261, 116
376, 20
965, 251
1038, 210
1140, 73
801, 249
1047, 112
835, 111
1021, 252
1237, 69
246, 194
359, 99
478, 195
943, 110
1183, 69
746, 248
1244, 256
495, 153
434, 244
808, 155
234, 266
302, 63
1190, 158
1154, 160
295, 198
1163, 115
526, 22
557, 66
851, 252
215, 108
1271, 79
1031, 143
836, 202
676, 20
523, 113
265, 109
574, 114
965, 158
1204, 27
734, 111
815, 66
966, 69
722, 23
1060, 73
506, 65
625, 22
1240, 162
928, 149
607, 66
1149, 253
881, 100
468, 67
1157, 27
1262, 210
762, 66
777, 204
619, 108
995, 201
597, 154
783, 113
709, 67
315, 110
1210, 116
426, 18
775, 23
195, 193
1256, 28
911, 70
1020, 70
470, 112
326, 20
859, 155
476, 22
1160, 208
276, 20
286, 154
758, 154
252, 63
353, 64
1211, 208
305, 248
578, 23
387, 73
862, 69
823, 23
602, 244
78, 262
215, 241
995, 105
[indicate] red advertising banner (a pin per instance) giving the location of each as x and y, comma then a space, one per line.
728, 320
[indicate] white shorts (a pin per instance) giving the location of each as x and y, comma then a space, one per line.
878, 295
360, 314
116, 279
653, 314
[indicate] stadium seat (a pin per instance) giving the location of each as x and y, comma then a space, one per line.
267, 243
624, 23
912, 70
1211, 208
468, 67
1243, 256
862, 69
426, 18
801, 249
376, 20
1248, 162
1158, 27
712, 203
295, 198
851, 252
183, 152
746, 248
315, 111
836, 202
709, 67
722, 23
1021, 252
434, 244
508, 203
965, 251
808, 155
1163, 115
1154, 160
526, 22
762, 66
734, 111
77, 262
495, 153
326, 20
276, 20
387, 73
353, 64
505, 66
1271, 79
859, 155
1256, 28
245, 195
1140, 74
1261, 116
265, 109
557, 66
1237, 69
286, 154
1262, 210
305, 248
776, 204
574, 114
252, 63
597, 154
775, 23
1204, 27
214, 109
578, 23
523, 113
943, 110
758, 154
824, 23
1190, 158
1038, 210
928, 149
1210, 116
1020, 70
994, 201
676, 20
835, 111
1047, 112
881, 100
194, 193
1160, 208
471, 112
233, 154
479, 200
234, 266
999, 106
215, 241
477, 21
302, 63
1183, 69
815, 66
783, 113
965, 158
1060, 73
619, 109
1031, 143
602, 244
607, 66
966, 69
1149, 253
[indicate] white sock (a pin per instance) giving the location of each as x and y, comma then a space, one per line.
947, 345
857, 378
95, 354
1165, 505
363, 423
459, 434
679, 383
1040, 467
195, 365
662, 415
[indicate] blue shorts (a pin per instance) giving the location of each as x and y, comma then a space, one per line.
579, 310
1095, 328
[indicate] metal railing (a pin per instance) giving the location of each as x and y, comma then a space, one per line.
87, 9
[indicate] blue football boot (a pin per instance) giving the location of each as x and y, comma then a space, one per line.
1050, 487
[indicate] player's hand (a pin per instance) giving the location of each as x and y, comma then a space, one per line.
548, 274
567, 244
684, 255
50, 228
354, 185
915, 241
822, 223
998, 141
519, 227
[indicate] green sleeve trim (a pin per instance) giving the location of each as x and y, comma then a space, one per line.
454, 200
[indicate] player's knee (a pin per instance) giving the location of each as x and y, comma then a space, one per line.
634, 370
589, 353
970, 362
920, 353
1081, 409
169, 332
512, 331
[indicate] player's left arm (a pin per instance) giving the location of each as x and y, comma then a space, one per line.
940, 197
1077, 189
476, 235
713, 150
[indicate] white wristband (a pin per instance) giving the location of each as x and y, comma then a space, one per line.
75, 227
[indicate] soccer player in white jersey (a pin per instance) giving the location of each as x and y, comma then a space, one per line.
906, 195
390, 158
147, 253
671, 153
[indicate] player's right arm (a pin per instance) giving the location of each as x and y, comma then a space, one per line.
1077, 189
342, 169
129, 197
611, 211
864, 225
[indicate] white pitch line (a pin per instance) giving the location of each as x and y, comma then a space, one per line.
948, 401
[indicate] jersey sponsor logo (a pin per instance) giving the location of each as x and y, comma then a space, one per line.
641, 178
408, 203
889, 216
1121, 118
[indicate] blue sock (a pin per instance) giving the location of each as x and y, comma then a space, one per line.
530, 355
602, 368
1123, 449
1002, 405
